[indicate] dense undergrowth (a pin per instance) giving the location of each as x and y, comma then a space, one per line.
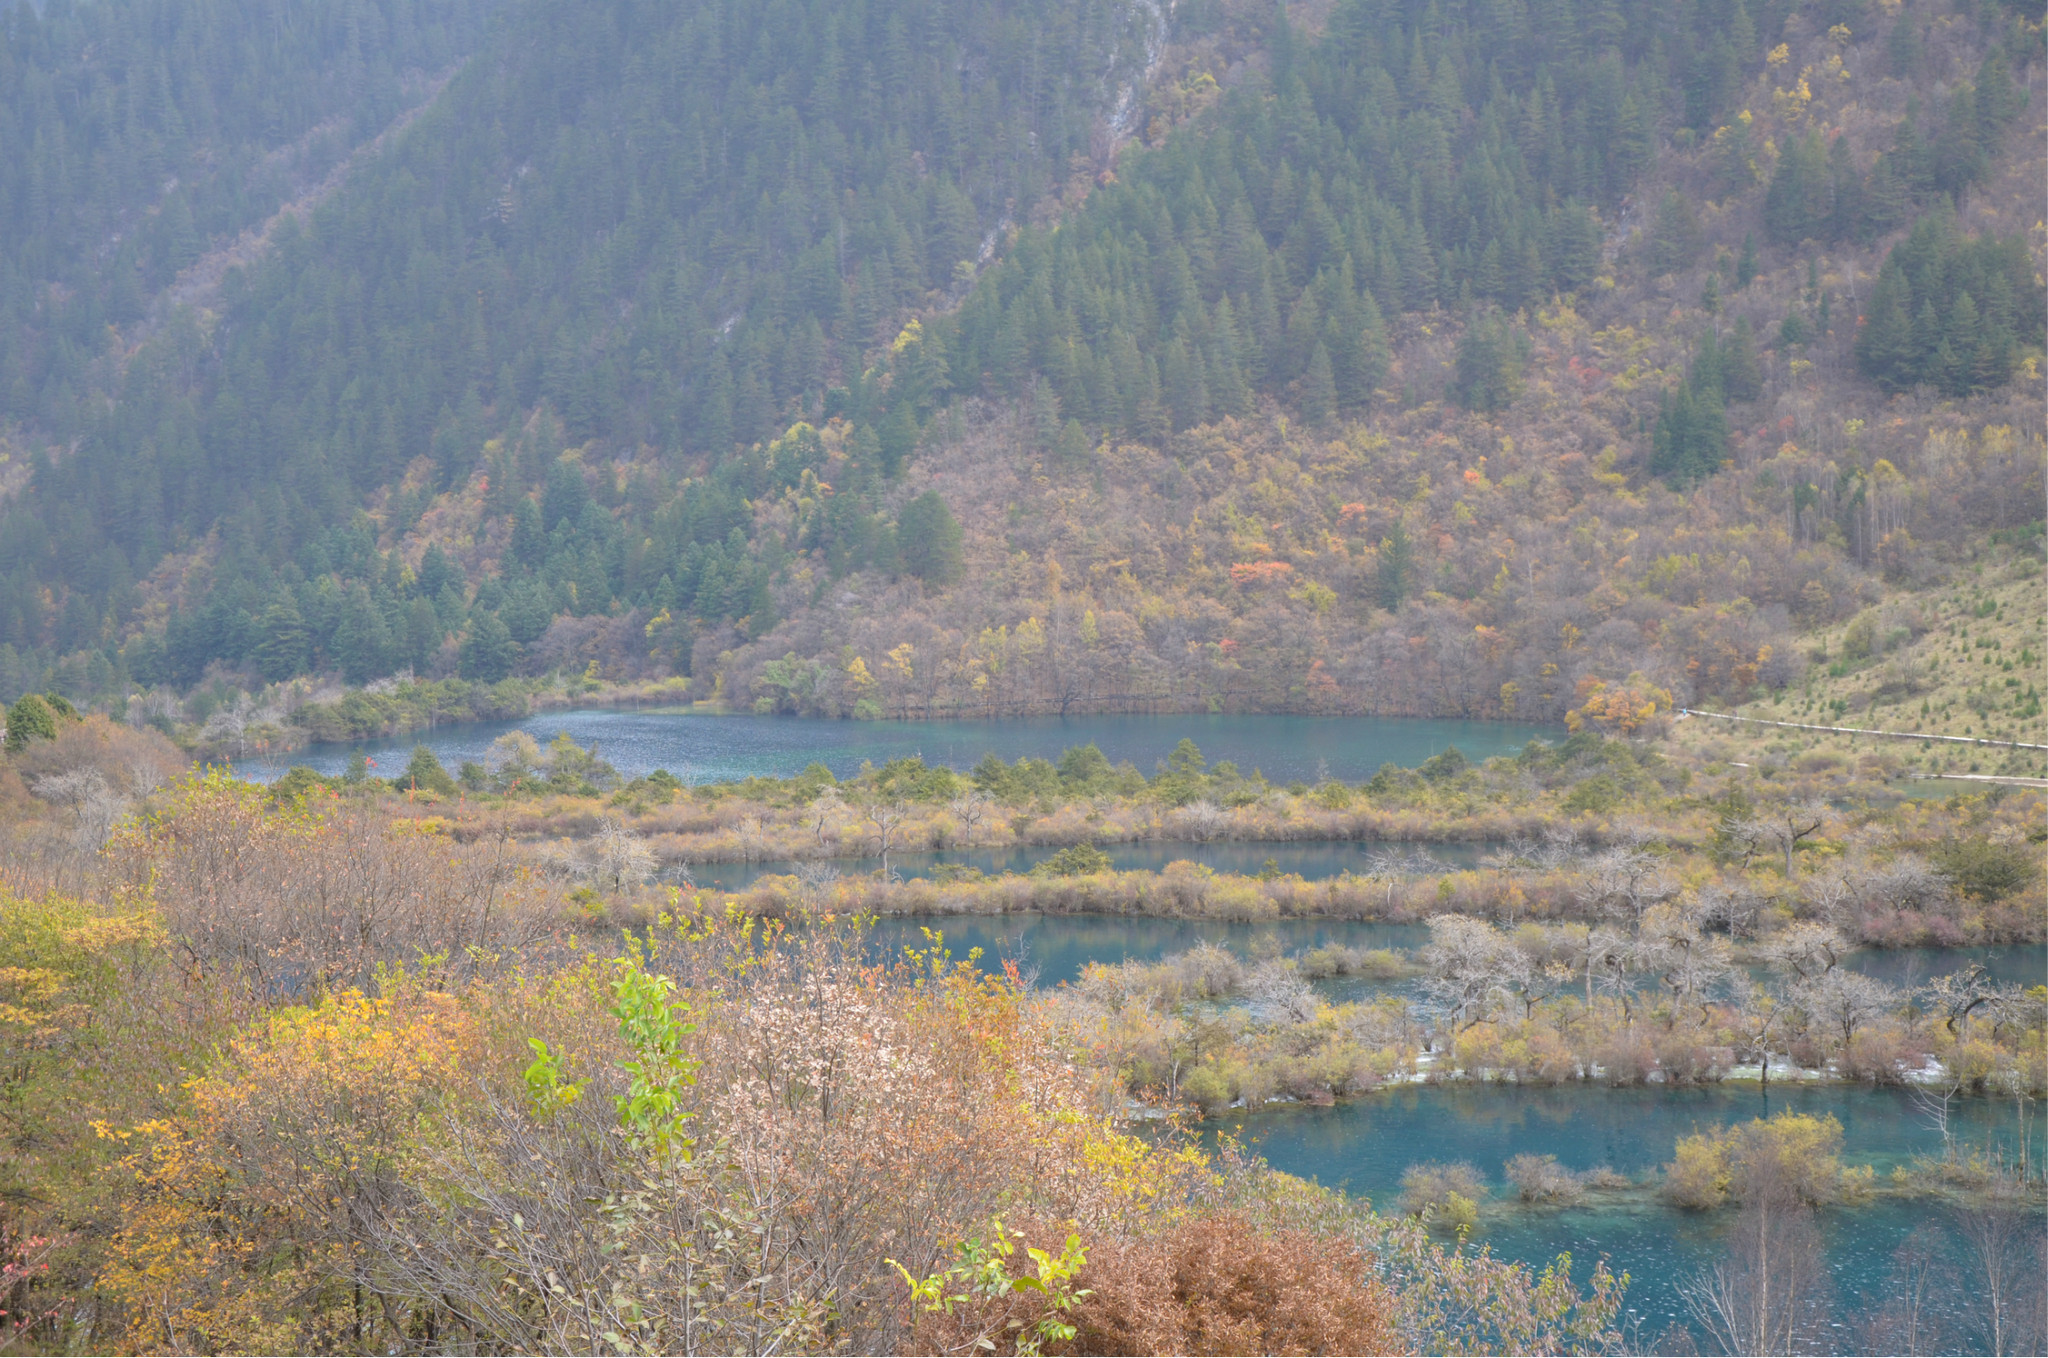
348, 1064
418, 1119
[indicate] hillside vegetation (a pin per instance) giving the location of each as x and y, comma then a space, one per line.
1499, 362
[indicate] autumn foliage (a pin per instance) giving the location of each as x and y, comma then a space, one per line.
281, 1098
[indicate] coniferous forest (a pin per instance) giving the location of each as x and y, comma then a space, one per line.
379, 341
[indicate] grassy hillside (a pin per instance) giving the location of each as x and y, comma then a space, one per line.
1960, 659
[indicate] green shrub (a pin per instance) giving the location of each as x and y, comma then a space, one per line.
1208, 1088
1076, 860
1990, 872
29, 719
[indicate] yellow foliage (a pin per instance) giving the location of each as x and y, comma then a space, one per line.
236, 1239
1698, 1175
1625, 707
1790, 1154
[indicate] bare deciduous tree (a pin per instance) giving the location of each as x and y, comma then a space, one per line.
1908, 1322
620, 857
1276, 990
2003, 1236
1804, 951
1770, 1295
1783, 829
1845, 1000
970, 808
884, 817
1204, 819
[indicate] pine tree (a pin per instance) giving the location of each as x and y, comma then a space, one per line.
1797, 205
1396, 566
284, 648
897, 438
928, 537
529, 545
31, 718
1675, 235
424, 773
1692, 428
422, 634
1742, 375
1960, 337
1318, 388
488, 654
1187, 394
362, 639
1487, 373
436, 572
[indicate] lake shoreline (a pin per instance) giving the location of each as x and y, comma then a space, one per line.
1194, 893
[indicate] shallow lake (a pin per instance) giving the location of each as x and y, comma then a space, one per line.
1365, 1145
1058, 946
1054, 948
700, 748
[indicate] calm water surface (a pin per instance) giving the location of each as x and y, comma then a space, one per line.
701, 749
1363, 1146
1057, 947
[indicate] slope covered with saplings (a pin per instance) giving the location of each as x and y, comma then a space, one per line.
1497, 361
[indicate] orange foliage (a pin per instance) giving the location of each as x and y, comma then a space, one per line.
1625, 707
1219, 1284
1259, 572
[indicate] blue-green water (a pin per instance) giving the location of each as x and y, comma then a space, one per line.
1364, 1146
1055, 947
701, 748
1315, 860
1058, 946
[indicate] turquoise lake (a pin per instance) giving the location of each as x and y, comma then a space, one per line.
1364, 1145
700, 748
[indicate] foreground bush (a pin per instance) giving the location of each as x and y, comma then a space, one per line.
736, 1136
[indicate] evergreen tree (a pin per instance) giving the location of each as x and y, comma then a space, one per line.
897, 438
1925, 324
488, 653
1691, 438
1797, 204
928, 537
1396, 567
1487, 373
285, 648
1742, 374
362, 640
31, 718
1318, 388
436, 573
1675, 235
424, 773
529, 543
422, 634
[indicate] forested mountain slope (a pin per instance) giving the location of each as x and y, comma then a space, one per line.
1465, 358
139, 134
